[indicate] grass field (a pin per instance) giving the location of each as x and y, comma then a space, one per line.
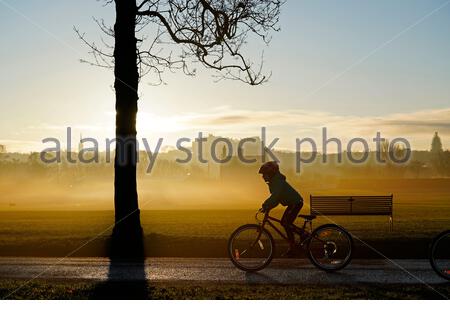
41, 289
421, 210
203, 233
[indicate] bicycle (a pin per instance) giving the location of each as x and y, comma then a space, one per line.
439, 254
251, 247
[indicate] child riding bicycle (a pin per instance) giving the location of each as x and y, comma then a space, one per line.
282, 193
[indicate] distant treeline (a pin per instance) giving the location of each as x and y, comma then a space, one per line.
423, 164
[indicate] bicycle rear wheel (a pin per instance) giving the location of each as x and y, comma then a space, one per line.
330, 247
251, 248
440, 254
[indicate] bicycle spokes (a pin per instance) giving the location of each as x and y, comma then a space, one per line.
251, 247
329, 247
440, 255
238, 254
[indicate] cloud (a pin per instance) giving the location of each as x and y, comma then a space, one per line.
223, 120
59, 127
417, 126
422, 120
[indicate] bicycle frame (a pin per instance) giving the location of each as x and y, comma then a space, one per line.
325, 248
302, 232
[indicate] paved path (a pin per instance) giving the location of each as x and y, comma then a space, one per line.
217, 270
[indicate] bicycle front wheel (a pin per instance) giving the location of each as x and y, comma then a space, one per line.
330, 247
440, 254
251, 247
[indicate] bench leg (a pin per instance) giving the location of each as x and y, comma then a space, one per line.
391, 223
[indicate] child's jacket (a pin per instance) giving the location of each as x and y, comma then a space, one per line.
281, 193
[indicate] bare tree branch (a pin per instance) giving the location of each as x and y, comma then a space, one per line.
212, 32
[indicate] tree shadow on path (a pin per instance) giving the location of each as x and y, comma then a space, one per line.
126, 275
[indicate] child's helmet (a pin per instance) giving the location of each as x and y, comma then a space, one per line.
269, 168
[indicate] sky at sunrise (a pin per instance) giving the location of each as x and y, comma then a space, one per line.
353, 66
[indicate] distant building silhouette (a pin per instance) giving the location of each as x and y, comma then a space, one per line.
80, 144
2, 148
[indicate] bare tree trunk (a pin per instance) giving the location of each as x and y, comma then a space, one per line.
127, 215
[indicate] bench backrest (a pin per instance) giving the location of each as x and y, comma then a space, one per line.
351, 205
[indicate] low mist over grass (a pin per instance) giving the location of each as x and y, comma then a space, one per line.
189, 210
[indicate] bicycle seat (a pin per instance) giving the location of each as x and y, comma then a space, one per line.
308, 217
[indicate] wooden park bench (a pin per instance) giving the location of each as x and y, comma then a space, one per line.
353, 206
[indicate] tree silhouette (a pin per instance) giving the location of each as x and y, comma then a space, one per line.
436, 144
146, 33
437, 155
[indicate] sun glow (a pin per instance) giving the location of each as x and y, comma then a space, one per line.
151, 123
